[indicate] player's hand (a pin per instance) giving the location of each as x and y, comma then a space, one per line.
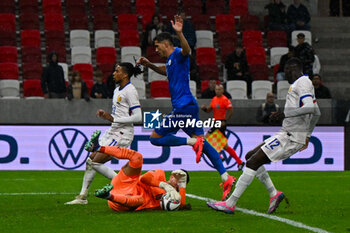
143, 61
177, 26
203, 107
277, 116
102, 114
170, 191
181, 176
306, 144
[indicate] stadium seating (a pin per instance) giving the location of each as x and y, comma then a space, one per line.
237, 89
282, 89
78, 21
59, 49
53, 22
52, 6
193, 88
86, 71
201, 22
75, 7
276, 39
98, 7
205, 56
153, 56
104, 38
30, 38
225, 23
145, 7
28, 6
145, 20
255, 55
106, 55
103, 22
308, 37
260, 88
32, 70
214, 7
154, 76
89, 85
259, 71
276, 53
32, 88
168, 8
225, 50
160, 89
65, 70
81, 55
9, 88
129, 52
7, 38
121, 7
192, 7
107, 69
8, 22
238, 7
140, 86
275, 70
129, 38
7, 7
79, 38
249, 22
205, 38
252, 38
55, 39
9, 71
208, 71
31, 54
127, 22
8, 54
29, 21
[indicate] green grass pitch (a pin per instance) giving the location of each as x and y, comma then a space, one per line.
317, 199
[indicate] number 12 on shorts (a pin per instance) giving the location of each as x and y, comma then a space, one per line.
274, 143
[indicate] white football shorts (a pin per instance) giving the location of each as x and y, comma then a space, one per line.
117, 137
279, 147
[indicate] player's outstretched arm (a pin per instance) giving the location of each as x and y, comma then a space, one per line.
135, 117
145, 62
177, 26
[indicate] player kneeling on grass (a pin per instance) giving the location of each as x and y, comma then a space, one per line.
129, 191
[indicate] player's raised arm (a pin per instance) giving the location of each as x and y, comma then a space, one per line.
177, 26
145, 62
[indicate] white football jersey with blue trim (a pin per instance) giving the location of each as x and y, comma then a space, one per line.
298, 126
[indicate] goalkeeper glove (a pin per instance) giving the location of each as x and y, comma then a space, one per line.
181, 176
170, 191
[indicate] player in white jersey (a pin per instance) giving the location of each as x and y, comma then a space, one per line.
126, 110
300, 116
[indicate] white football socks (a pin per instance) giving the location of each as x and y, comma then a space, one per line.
264, 177
224, 176
191, 141
243, 182
104, 170
89, 176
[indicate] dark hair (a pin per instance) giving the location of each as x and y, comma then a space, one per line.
130, 69
164, 36
75, 74
187, 175
314, 75
296, 62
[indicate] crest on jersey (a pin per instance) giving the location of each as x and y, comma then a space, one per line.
290, 88
119, 98
169, 62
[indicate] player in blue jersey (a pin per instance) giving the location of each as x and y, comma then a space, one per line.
185, 107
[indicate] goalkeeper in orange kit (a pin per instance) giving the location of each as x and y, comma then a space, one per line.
129, 191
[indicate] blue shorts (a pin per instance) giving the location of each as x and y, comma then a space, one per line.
187, 113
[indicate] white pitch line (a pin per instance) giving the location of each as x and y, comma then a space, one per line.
273, 217
246, 211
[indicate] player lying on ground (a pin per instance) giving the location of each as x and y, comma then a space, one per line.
185, 107
300, 116
222, 111
129, 191
126, 111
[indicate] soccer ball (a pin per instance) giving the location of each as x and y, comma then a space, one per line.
169, 204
